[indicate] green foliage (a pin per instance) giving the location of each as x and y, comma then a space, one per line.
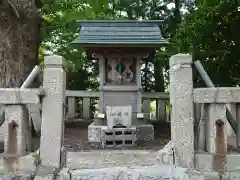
60, 29
209, 31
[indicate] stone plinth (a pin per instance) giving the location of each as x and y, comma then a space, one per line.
145, 132
94, 132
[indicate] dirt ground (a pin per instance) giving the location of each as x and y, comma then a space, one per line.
76, 137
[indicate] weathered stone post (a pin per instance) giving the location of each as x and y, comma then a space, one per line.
181, 94
52, 129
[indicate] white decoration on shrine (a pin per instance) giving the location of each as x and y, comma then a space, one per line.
113, 75
119, 115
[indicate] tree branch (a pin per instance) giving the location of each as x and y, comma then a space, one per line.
14, 8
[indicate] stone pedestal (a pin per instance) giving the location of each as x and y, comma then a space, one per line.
94, 132
145, 132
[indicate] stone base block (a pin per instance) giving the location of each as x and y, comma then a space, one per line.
145, 132
94, 132
165, 155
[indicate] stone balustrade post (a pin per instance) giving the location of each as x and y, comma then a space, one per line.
71, 107
161, 110
86, 107
52, 129
181, 99
146, 108
16, 130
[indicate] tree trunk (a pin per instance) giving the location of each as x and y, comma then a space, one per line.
19, 40
177, 13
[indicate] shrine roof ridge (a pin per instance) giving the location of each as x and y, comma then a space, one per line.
120, 22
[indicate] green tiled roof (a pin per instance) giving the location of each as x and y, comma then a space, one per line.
123, 33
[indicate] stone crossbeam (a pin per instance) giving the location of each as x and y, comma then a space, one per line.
147, 95
222, 95
20, 96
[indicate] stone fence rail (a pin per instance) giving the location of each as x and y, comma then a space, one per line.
79, 104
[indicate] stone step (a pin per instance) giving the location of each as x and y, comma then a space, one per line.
157, 172
111, 158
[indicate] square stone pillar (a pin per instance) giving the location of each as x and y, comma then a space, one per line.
52, 129
182, 121
16, 130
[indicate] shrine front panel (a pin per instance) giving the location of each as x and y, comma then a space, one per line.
121, 99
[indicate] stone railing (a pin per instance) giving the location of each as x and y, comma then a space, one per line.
79, 104
45, 106
213, 110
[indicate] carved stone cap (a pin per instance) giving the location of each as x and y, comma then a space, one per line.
180, 59
54, 61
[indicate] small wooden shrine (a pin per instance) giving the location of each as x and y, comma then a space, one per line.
120, 46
